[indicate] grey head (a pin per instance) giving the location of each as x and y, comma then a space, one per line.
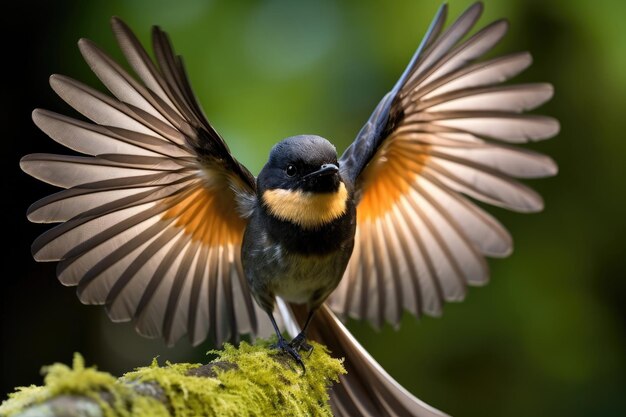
301, 163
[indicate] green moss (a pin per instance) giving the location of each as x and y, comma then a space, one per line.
22, 398
263, 383
88, 382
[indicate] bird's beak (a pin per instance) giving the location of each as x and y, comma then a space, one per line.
326, 169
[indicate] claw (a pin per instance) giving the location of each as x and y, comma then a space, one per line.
299, 343
291, 351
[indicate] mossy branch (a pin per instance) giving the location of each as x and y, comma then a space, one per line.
249, 380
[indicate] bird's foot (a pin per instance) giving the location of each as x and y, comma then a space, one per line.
299, 343
290, 350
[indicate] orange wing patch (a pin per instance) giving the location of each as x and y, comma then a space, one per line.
389, 175
207, 215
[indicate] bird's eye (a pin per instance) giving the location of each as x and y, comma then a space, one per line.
291, 170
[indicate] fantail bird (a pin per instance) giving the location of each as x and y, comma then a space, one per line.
163, 226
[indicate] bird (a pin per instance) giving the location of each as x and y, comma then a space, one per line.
161, 224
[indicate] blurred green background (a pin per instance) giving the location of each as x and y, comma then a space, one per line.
545, 338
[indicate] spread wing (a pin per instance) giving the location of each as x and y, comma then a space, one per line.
443, 134
149, 218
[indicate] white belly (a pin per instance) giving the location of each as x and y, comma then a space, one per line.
297, 278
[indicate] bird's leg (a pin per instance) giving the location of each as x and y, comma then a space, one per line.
286, 347
299, 342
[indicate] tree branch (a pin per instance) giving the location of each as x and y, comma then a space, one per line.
249, 380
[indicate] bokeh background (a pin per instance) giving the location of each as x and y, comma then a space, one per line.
545, 338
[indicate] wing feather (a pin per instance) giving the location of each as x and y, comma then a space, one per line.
387, 255
198, 313
139, 60
71, 171
412, 294
64, 205
124, 295
439, 138
441, 46
477, 45
149, 223
166, 59
119, 82
485, 185
514, 128
479, 74
95, 285
516, 98
175, 313
107, 111
91, 139
151, 308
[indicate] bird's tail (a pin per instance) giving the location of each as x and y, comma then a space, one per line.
366, 390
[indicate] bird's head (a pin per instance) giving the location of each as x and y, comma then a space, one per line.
301, 182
